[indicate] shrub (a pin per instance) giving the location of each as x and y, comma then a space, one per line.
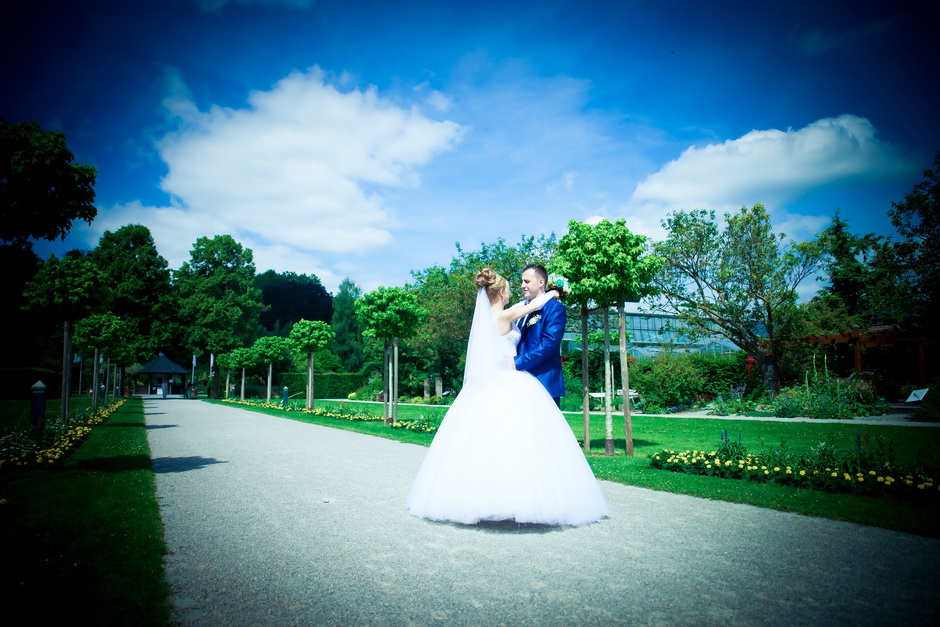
668, 380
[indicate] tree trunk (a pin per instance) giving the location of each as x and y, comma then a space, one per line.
395, 380
625, 379
386, 383
309, 381
585, 385
213, 374
608, 391
107, 382
96, 374
270, 376
768, 368
228, 382
242, 395
66, 370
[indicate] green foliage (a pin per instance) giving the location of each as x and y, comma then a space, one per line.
42, 191
738, 282
270, 348
604, 263
329, 384
390, 312
289, 297
109, 334
667, 382
219, 303
347, 342
506, 260
825, 396
71, 287
310, 336
917, 255
142, 293
867, 467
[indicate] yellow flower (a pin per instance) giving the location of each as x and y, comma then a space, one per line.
802, 473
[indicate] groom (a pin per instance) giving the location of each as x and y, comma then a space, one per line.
542, 331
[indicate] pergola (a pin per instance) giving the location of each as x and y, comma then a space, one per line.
878, 337
161, 365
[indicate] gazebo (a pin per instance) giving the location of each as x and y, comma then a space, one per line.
163, 369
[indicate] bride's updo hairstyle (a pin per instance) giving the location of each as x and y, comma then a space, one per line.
493, 283
559, 284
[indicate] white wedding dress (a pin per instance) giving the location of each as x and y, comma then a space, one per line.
504, 451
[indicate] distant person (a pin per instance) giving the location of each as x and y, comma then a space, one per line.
504, 451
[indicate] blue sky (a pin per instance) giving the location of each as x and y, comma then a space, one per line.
366, 138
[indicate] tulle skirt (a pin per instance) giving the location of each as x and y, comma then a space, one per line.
505, 452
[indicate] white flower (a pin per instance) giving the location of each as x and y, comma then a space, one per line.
533, 320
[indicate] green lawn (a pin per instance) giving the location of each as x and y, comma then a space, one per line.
654, 433
84, 540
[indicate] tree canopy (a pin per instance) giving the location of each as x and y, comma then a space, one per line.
347, 342
219, 303
738, 282
42, 190
289, 297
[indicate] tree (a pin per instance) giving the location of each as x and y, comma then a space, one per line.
140, 282
739, 283
106, 335
41, 190
509, 261
290, 297
308, 337
268, 350
605, 264
917, 220
71, 287
219, 303
347, 342
243, 358
390, 313
227, 362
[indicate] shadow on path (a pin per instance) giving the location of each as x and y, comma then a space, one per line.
183, 464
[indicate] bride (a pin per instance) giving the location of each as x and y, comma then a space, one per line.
504, 451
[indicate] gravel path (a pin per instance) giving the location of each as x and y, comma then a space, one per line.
275, 522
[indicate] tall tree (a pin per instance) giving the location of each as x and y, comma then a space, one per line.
347, 342
140, 282
917, 220
308, 337
219, 303
390, 313
42, 190
289, 297
605, 264
71, 288
739, 282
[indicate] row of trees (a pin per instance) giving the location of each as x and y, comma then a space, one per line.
732, 276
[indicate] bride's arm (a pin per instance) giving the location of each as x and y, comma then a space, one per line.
521, 309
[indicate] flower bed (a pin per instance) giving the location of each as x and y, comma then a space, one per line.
867, 470
422, 425
58, 442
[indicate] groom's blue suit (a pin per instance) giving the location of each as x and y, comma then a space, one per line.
540, 346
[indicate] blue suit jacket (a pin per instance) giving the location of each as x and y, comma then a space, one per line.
540, 346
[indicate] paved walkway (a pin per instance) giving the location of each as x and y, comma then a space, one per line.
271, 521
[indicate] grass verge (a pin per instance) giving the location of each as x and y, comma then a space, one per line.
913, 445
85, 537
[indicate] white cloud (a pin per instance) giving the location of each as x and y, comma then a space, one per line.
302, 165
772, 167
